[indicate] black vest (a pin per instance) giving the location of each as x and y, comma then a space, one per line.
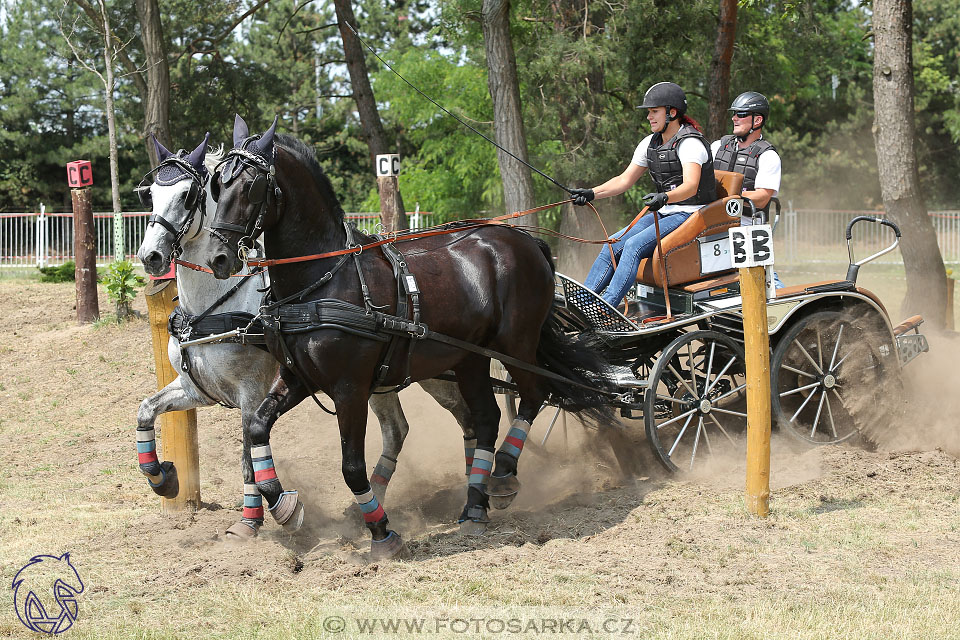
663, 161
730, 157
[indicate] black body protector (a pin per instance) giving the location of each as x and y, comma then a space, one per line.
730, 157
663, 161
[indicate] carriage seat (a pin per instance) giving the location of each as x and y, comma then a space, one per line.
681, 248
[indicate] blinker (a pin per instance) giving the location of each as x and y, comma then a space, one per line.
257, 192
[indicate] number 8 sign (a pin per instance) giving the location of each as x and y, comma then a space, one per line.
751, 246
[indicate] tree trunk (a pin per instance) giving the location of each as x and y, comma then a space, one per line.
895, 139
108, 90
362, 92
507, 116
720, 69
156, 99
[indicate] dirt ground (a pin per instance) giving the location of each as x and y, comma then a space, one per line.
859, 544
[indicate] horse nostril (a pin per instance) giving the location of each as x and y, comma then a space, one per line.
219, 261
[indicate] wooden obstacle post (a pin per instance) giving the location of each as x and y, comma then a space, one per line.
392, 214
752, 249
79, 179
178, 433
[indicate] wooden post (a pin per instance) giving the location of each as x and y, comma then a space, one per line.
178, 433
85, 252
392, 214
756, 342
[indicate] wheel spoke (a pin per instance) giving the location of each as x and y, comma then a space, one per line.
720, 375
819, 348
730, 393
807, 355
706, 435
797, 371
728, 412
802, 405
833, 426
675, 418
696, 441
679, 435
799, 389
693, 370
682, 381
816, 418
720, 426
839, 397
836, 348
706, 379
676, 400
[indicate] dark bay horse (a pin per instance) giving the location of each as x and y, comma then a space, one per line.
232, 374
490, 286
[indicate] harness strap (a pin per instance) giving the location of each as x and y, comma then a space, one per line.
288, 358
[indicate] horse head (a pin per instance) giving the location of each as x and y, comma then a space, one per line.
248, 198
180, 189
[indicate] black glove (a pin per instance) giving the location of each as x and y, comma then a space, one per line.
581, 196
655, 200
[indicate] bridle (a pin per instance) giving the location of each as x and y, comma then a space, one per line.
195, 200
260, 191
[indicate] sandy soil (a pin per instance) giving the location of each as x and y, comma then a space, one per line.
856, 539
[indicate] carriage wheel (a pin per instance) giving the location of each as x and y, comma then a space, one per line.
694, 407
827, 378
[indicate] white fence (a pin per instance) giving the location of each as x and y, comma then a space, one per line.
46, 239
807, 236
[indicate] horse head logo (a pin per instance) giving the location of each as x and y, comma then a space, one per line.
45, 594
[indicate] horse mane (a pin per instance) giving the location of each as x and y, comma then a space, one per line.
213, 158
306, 155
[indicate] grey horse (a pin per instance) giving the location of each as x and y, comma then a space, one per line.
232, 374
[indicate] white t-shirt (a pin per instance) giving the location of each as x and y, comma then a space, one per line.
690, 150
768, 168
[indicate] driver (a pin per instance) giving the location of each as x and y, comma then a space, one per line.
681, 165
748, 153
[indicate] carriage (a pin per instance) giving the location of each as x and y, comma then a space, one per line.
835, 353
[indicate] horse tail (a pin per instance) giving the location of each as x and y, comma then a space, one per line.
577, 358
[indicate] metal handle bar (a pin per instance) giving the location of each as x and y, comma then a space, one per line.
877, 219
763, 215
854, 267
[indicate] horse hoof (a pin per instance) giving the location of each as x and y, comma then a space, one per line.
242, 531
288, 512
502, 490
473, 521
390, 548
169, 485
473, 528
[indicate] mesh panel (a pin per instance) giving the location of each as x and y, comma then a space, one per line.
593, 308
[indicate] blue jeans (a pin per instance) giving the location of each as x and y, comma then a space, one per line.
639, 243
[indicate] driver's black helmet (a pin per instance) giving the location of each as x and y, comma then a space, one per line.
752, 102
665, 94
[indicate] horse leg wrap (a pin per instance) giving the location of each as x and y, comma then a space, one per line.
516, 437
373, 512
252, 503
481, 468
383, 471
469, 446
147, 455
265, 475
288, 511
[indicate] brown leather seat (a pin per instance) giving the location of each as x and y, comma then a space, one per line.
681, 248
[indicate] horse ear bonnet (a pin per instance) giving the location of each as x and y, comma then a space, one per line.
240, 131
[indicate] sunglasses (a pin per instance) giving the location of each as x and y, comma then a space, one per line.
743, 114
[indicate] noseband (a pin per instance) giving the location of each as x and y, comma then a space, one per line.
261, 191
195, 201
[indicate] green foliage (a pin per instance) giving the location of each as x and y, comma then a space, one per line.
65, 272
122, 283
583, 67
